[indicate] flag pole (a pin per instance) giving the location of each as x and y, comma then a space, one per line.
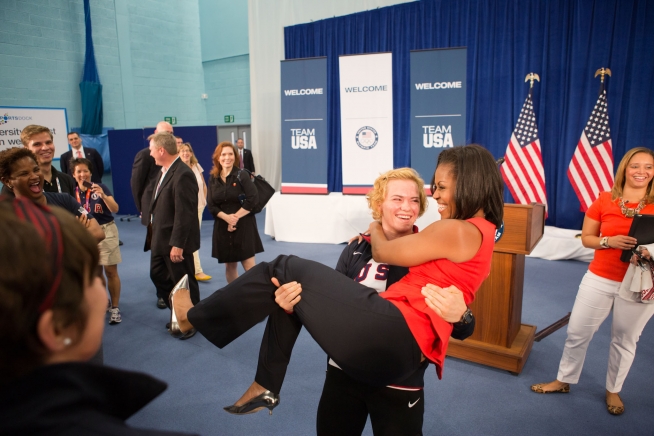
603, 72
530, 78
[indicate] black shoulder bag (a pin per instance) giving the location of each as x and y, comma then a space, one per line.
264, 190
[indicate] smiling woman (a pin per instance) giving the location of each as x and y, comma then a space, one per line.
606, 228
230, 198
97, 197
22, 175
376, 339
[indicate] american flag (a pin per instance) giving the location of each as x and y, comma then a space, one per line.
522, 169
591, 167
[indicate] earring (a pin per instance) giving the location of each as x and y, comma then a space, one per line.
10, 187
67, 341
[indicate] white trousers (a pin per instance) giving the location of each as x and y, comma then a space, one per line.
594, 300
196, 255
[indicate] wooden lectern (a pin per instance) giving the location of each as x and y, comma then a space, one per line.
500, 340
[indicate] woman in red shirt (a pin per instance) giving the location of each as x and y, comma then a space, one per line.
378, 339
605, 228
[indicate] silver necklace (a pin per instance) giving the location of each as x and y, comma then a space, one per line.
630, 212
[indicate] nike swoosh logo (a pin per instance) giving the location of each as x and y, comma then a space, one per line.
414, 403
356, 252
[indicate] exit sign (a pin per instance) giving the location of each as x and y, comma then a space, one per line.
171, 120
229, 118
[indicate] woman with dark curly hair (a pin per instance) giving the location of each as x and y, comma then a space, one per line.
21, 174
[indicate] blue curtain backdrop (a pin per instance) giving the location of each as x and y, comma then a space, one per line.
563, 41
90, 86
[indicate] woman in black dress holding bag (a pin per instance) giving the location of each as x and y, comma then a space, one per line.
231, 196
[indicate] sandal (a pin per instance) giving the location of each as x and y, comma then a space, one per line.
614, 410
538, 388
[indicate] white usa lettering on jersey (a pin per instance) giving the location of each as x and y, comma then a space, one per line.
373, 275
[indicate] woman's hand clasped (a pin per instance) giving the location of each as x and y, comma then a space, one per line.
231, 219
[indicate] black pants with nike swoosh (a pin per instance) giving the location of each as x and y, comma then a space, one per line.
346, 403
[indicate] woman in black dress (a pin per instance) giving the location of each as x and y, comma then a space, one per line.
231, 197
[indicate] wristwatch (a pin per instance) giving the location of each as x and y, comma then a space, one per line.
466, 318
604, 242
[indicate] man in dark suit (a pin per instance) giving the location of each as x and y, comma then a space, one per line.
77, 151
144, 173
175, 227
245, 156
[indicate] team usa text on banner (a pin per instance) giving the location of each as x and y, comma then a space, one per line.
304, 126
366, 93
438, 105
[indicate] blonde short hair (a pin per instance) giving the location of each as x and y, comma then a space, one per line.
378, 193
31, 130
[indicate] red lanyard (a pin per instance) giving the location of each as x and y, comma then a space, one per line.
88, 195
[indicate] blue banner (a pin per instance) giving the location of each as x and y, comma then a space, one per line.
304, 126
438, 105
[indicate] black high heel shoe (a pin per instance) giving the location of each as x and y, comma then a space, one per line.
174, 329
267, 399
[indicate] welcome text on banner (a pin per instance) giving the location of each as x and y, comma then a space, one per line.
304, 126
366, 91
438, 105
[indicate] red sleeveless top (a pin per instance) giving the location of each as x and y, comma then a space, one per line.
431, 332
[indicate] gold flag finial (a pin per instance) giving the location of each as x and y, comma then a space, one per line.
602, 72
530, 78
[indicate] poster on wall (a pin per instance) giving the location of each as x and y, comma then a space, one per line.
14, 119
366, 91
438, 106
304, 126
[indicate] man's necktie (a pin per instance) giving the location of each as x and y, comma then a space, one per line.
79, 154
241, 153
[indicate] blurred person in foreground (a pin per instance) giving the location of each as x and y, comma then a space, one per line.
51, 323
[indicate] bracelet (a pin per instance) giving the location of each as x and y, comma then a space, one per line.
604, 242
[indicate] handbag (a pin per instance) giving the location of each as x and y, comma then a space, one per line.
264, 191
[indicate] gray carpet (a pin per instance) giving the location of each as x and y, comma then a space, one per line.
470, 399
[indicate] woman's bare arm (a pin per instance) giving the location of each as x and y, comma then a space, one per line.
455, 240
